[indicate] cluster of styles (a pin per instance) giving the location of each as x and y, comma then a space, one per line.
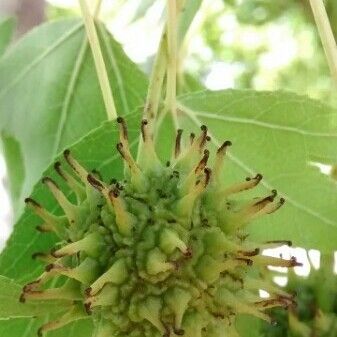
315, 314
164, 252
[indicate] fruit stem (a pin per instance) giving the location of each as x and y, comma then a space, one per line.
156, 80
99, 60
171, 89
326, 35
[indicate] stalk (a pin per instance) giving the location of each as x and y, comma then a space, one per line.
156, 80
171, 90
99, 61
326, 35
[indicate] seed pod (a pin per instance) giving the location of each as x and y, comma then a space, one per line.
163, 252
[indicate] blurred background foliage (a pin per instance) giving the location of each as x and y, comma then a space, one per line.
259, 44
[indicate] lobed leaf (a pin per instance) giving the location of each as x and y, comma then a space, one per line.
278, 134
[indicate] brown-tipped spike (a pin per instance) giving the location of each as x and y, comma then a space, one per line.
32, 202
77, 168
122, 129
294, 262
69, 209
203, 137
276, 243
71, 181
57, 167
144, 130
254, 252
52, 222
49, 267
95, 183
248, 184
275, 206
219, 161
224, 146
87, 307
203, 162
192, 137
208, 173
22, 298
177, 148
47, 180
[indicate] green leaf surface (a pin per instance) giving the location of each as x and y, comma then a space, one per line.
28, 327
10, 307
279, 135
50, 96
7, 26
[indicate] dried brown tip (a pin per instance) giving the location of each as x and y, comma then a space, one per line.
192, 136
177, 148
254, 252
87, 307
294, 263
123, 128
277, 206
144, 130
43, 229
224, 146
97, 174
208, 174
120, 149
57, 167
49, 267
32, 202
22, 298
203, 136
257, 178
114, 193
248, 262
66, 153
281, 242
48, 180
38, 255
95, 183
203, 162
88, 292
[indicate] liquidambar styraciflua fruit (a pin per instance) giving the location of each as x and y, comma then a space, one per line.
163, 252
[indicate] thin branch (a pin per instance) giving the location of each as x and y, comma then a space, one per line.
326, 35
171, 89
99, 61
156, 80
97, 8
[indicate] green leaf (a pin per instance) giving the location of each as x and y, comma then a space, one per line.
277, 134
10, 307
14, 162
28, 327
50, 96
7, 26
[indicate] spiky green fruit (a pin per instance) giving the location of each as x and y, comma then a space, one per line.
164, 252
315, 314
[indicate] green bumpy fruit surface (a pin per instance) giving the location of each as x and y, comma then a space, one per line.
164, 252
